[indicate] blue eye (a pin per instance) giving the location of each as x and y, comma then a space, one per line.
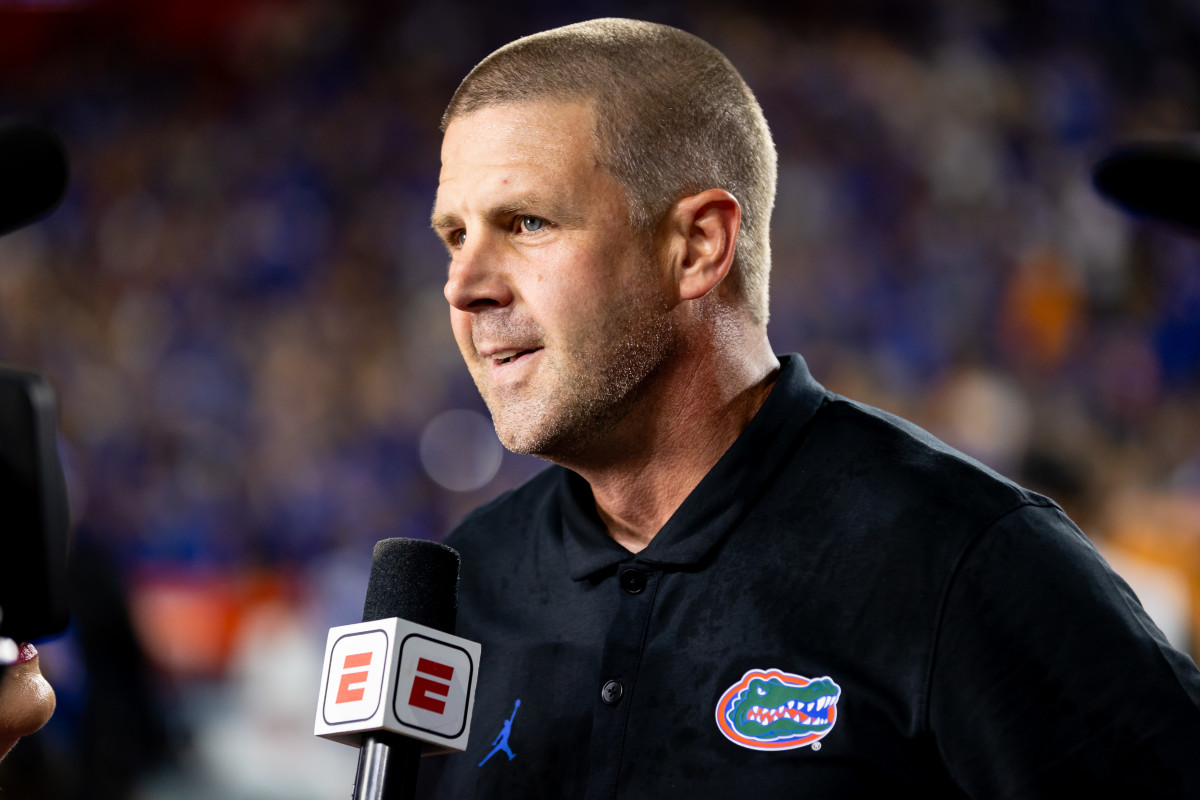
531, 224
460, 238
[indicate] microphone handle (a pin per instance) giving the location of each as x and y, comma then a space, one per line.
387, 768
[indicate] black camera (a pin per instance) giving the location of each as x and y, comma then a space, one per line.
34, 515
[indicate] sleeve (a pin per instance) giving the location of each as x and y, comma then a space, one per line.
1049, 680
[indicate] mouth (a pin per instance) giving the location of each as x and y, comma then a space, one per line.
510, 356
810, 715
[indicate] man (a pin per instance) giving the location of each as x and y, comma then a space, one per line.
733, 582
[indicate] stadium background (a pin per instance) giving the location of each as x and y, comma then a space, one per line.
239, 302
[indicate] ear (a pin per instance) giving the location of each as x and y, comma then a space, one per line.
702, 230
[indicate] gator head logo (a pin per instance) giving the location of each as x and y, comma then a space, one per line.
775, 710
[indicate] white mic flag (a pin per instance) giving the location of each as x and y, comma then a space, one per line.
395, 675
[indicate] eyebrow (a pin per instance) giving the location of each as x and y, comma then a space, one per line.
536, 205
440, 221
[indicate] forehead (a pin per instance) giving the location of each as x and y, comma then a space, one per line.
553, 126
510, 147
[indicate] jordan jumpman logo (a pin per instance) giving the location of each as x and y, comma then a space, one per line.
501, 741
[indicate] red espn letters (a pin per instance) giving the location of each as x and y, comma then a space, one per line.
353, 684
431, 682
424, 687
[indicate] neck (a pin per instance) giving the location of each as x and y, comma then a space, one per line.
660, 452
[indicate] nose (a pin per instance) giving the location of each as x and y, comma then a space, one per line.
477, 279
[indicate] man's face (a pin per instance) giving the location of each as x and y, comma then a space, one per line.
557, 307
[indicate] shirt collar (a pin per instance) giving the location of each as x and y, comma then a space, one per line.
720, 500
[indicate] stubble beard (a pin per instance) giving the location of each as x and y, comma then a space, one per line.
596, 379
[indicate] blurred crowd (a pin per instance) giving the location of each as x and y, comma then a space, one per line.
239, 303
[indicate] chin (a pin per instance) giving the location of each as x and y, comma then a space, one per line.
525, 438
521, 442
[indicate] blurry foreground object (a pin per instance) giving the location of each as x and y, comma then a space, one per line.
1159, 180
33, 550
33, 173
33, 544
33, 539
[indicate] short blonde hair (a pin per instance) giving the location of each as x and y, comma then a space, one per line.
674, 118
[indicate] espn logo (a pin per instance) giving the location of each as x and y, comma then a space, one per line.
433, 685
357, 667
432, 679
351, 690
398, 676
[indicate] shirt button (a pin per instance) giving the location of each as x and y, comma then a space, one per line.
611, 692
633, 581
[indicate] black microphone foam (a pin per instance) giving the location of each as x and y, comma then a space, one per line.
1155, 179
33, 173
415, 580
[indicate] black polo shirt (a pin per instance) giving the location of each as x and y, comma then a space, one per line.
844, 607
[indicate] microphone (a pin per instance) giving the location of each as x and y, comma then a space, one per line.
33, 173
399, 683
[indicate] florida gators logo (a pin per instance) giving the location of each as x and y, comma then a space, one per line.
769, 709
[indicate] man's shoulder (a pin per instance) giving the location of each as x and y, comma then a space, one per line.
890, 456
867, 455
